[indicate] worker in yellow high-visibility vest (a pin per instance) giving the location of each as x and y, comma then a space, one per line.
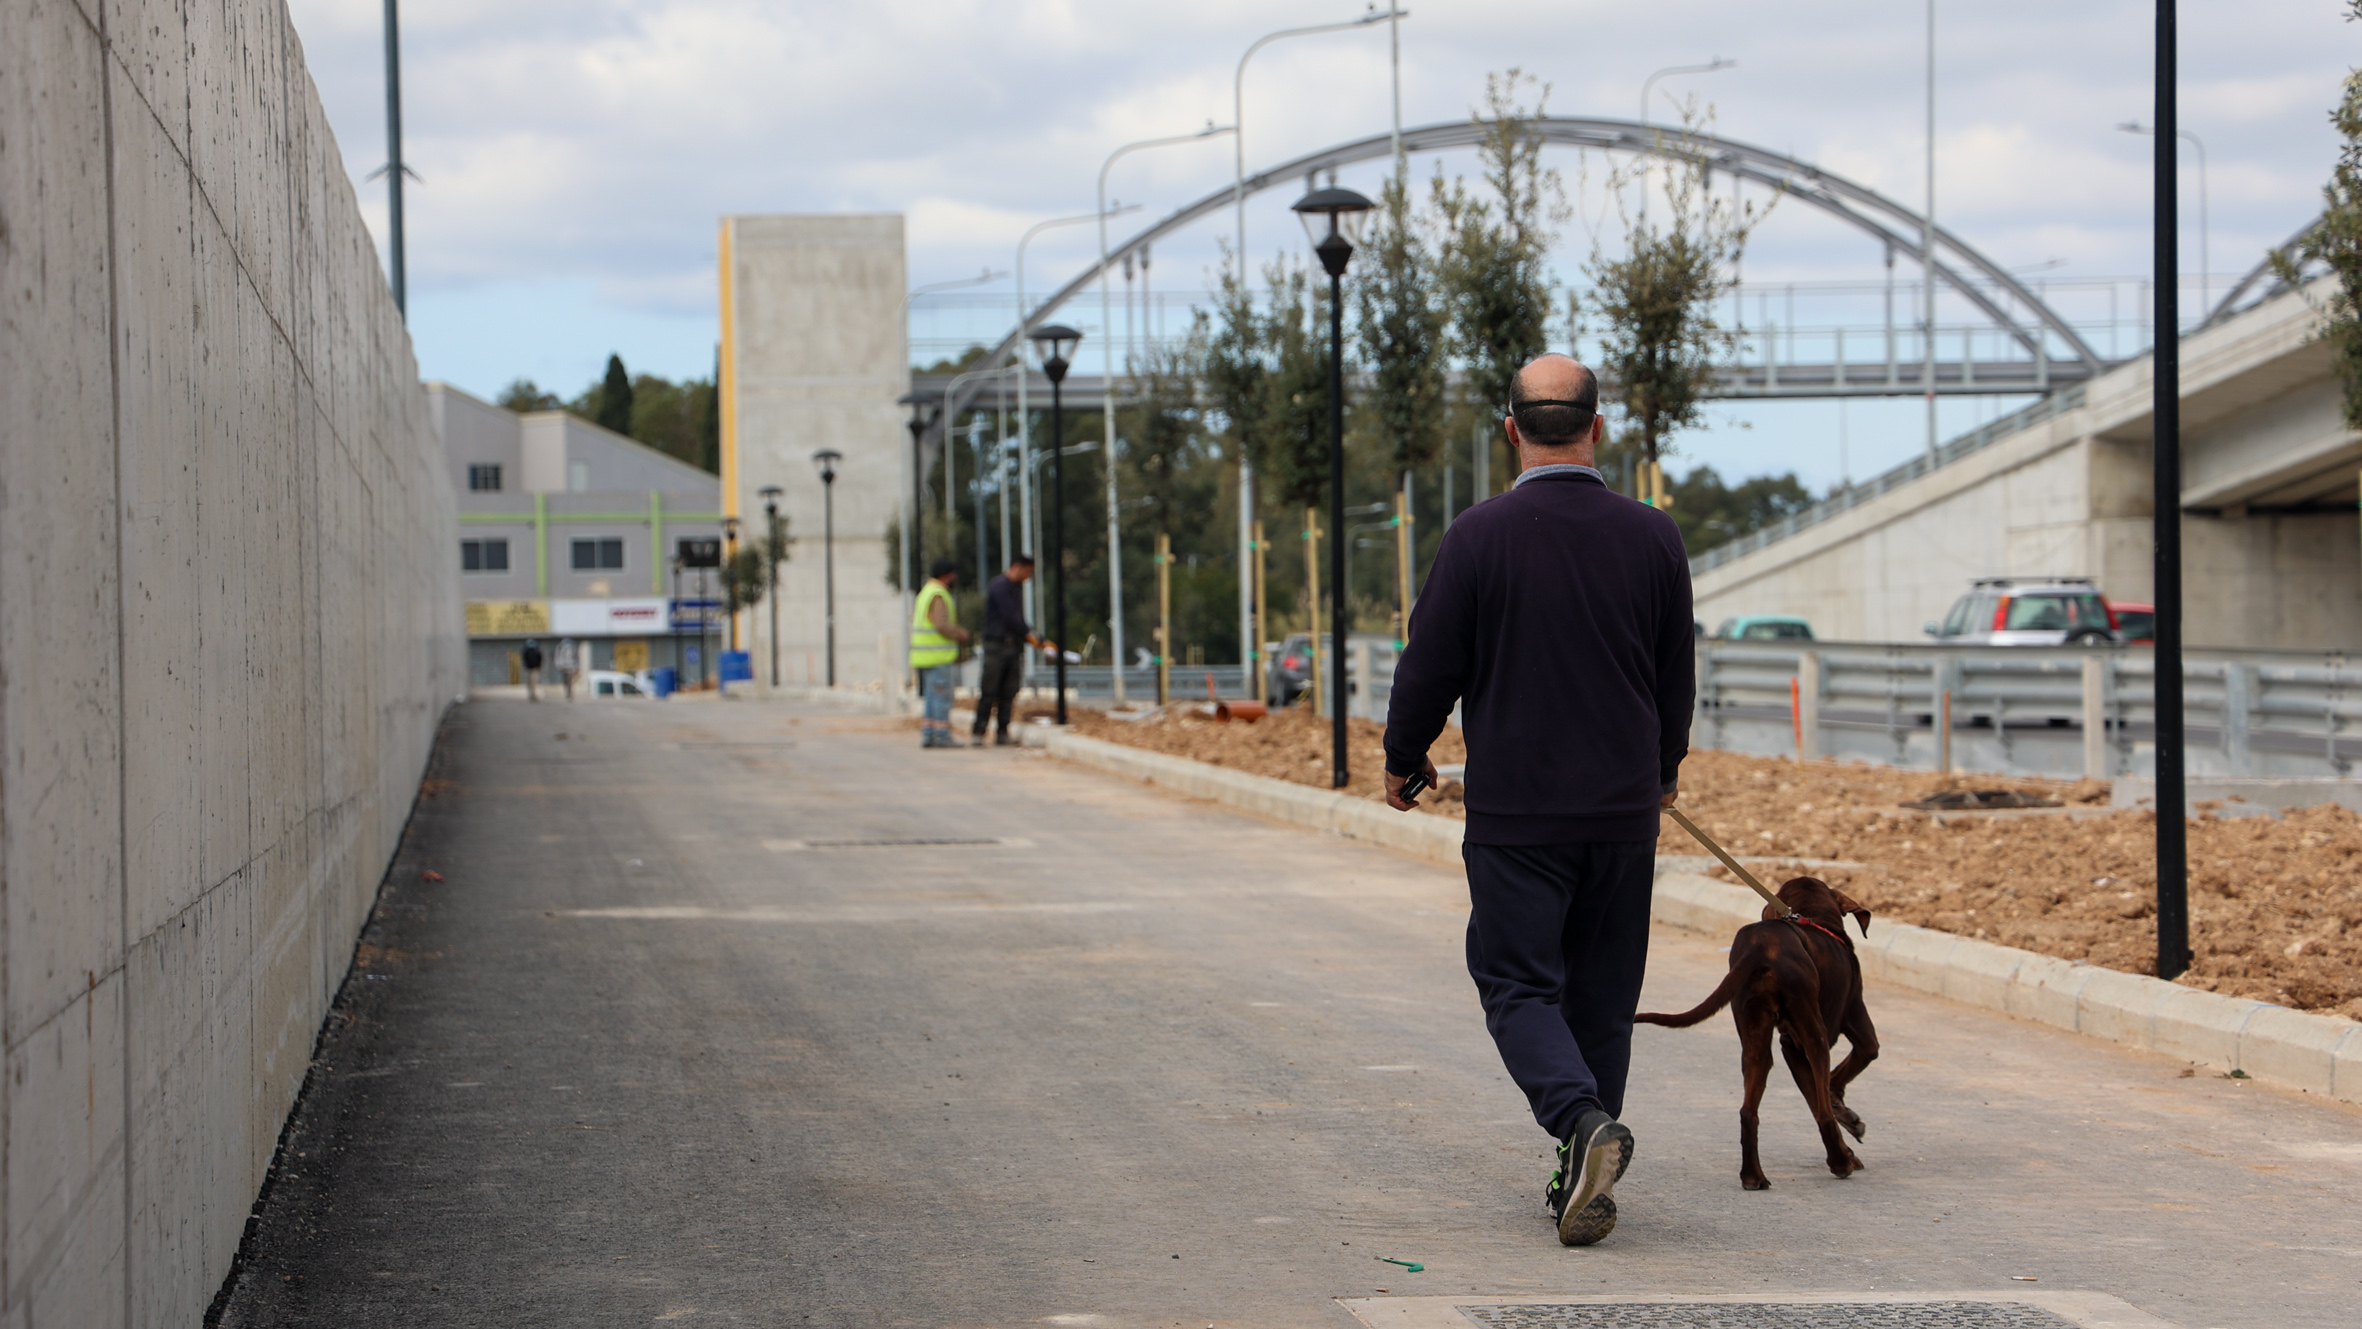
935, 641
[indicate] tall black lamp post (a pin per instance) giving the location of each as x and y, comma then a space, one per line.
1333, 217
1054, 344
914, 574
2173, 830
772, 545
826, 459
729, 570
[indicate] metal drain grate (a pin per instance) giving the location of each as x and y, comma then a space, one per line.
1770, 1315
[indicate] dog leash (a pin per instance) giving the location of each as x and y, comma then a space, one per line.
1733, 864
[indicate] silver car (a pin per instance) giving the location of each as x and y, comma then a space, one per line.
2028, 611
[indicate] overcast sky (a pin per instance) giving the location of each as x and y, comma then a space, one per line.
576, 154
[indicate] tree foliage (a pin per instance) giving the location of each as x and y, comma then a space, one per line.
2337, 243
1231, 362
1291, 451
1711, 512
1657, 298
1166, 437
524, 396
1399, 330
745, 577
1493, 277
614, 407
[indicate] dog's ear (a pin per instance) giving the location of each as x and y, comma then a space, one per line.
1846, 904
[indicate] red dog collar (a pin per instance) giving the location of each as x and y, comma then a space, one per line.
1822, 928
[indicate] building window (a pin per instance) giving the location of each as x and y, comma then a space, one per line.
598, 555
578, 477
483, 555
484, 477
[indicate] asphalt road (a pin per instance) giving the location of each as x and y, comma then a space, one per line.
745, 1014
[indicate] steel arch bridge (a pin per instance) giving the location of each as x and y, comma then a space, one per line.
2055, 353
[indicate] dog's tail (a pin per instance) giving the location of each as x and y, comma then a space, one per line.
1715, 1001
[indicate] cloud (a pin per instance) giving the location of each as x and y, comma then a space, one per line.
590, 145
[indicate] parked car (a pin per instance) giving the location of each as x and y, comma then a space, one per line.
2134, 621
1764, 627
2028, 611
615, 683
1291, 669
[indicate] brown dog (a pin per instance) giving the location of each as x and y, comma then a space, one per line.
1801, 976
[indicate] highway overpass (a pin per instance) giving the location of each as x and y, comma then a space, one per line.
2271, 539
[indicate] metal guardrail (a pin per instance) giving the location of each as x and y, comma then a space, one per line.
1968, 444
2055, 711
2052, 711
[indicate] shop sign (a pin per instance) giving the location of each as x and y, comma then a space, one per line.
507, 618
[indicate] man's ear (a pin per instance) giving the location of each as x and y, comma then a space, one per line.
1509, 427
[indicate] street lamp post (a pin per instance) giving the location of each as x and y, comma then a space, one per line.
771, 552
2205, 261
1054, 343
1333, 217
1250, 610
1115, 548
1670, 71
729, 565
826, 459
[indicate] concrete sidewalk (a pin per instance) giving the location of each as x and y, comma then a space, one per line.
755, 1015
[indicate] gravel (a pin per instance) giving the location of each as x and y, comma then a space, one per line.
2275, 902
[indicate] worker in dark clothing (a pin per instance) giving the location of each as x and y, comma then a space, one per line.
1006, 635
1557, 616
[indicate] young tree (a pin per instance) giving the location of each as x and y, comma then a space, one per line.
1399, 324
1494, 269
745, 577
1234, 364
1658, 299
2337, 243
614, 406
1291, 451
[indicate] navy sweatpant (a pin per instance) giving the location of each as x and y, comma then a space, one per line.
1557, 944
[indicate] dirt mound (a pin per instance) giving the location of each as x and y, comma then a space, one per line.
2275, 904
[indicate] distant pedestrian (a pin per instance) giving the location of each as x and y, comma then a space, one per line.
935, 641
1558, 616
1006, 635
568, 665
532, 663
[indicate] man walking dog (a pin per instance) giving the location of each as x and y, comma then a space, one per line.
1557, 616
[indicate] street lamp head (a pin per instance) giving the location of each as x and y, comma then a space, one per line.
1055, 343
1333, 217
730, 527
770, 495
826, 460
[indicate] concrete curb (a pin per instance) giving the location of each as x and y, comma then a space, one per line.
2318, 1054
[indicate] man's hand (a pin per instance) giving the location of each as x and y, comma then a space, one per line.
1394, 784
1667, 800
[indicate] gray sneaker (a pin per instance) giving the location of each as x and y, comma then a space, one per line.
1591, 1160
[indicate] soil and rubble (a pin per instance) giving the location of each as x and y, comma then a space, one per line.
2275, 902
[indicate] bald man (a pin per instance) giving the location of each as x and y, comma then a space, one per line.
1557, 616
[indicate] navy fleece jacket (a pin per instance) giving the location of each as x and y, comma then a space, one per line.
1558, 616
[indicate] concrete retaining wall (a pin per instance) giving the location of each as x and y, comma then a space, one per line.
229, 622
2316, 1053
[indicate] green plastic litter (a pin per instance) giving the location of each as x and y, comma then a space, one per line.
1410, 1265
